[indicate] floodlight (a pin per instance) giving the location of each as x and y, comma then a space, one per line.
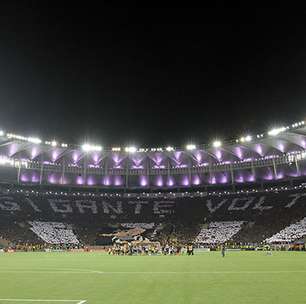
130, 149
190, 147
217, 144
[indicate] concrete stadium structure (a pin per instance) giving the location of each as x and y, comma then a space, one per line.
275, 156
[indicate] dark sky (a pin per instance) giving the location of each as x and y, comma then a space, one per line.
149, 76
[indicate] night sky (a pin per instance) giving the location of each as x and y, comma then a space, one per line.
149, 77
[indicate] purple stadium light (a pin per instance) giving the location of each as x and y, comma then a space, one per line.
196, 180
198, 157
80, 180
52, 179
118, 181
157, 158
34, 152
268, 176
13, 149
258, 149
34, 178
185, 181
178, 157
24, 178
251, 178
95, 157
218, 154
117, 159
54, 155
223, 179
213, 180
106, 181
91, 181
75, 156
159, 181
137, 160
240, 178
144, 181
238, 152
170, 181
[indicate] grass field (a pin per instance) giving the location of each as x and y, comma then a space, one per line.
95, 278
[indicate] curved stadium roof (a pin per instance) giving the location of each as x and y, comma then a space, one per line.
265, 156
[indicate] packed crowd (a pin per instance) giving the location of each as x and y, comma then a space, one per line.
289, 234
54, 232
218, 232
239, 219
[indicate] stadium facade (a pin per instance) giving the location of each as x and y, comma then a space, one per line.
272, 157
246, 191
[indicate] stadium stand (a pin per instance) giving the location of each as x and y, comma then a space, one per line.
54, 232
218, 232
42, 217
290, 233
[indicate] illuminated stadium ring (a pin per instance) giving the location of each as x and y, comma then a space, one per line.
280, 154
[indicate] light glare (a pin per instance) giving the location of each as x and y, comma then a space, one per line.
217, 144
130, 149
191, 147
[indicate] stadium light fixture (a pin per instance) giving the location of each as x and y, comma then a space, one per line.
53, 143
1, 133
247, 138
298, 124
191, 147
116, 149
131, 149
90, 148
34, 140
64, 145
169, 149
217, 144
276, 131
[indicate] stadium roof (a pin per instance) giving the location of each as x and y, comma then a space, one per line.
276, 142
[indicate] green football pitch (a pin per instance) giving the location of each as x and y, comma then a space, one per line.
96, 278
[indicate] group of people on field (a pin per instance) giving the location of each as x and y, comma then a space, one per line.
152, 249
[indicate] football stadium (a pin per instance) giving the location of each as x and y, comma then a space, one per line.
80, 223
152, 155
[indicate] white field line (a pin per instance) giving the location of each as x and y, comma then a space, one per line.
42, 300
151, 272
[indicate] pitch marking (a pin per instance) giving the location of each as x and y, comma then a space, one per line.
87, 271
43, 300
